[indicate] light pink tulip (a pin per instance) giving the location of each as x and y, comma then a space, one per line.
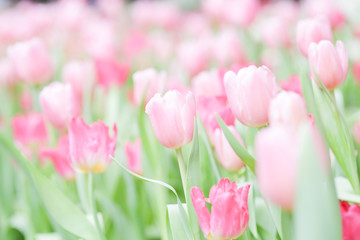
110, 72
147, 83
59, 103
91, 146
60, 157
133, 156
249, 93
229, 215
224, 152
80, 75
356, 132
275, 32
7, 72
293, 84
31, 61
328, 8
208, 83
329, 62
312, 30
172, 118
287, 108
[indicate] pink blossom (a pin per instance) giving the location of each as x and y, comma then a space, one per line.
133, 156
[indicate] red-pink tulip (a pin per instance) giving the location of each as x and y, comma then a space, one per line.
229, 215
60, 158
147, 83
330, 63
31, 61
133, 156
91, 146
249, 93
287, 108
226, 156
110, 72
59, 103
172, 118
312, 30
350, 215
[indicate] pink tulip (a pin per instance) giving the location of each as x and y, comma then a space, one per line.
172, 118
208, 83
29, 131
7, 72
287, 108
110, 72
356, 72
60, 158
26, 101
59, 103
91, 146
133, 156
329, 62
350, 215
249, 94
312, 30
80, 75
275, 32
293, 84
356, 132
229, 215
31, 61
226, 156
277, 153
328, 8
147, 83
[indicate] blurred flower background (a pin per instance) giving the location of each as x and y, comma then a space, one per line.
183, 119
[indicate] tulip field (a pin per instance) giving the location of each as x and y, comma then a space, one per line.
182, 120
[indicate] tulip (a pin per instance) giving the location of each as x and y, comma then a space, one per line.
110, 72
312, 30
60, 158
91, 147
208, 83
59, 103
147, 83
249, 94
31, 61
226, 156
287, 108
29, 131
293, 84
350, 215
330, 63
356, 132
356, 72
229, 215
133, 156
172, 118
278, 153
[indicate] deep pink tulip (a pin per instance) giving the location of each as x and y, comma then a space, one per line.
91, 146
147, 83
31, 61
110, 72
29, 131
329, 62
249, 93
312, 30
287, 108
133, 156
59, 103
350, 215
226, 156
172, 118
60, 157
229, 215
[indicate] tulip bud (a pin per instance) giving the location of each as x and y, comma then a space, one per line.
287, 108
249, 93
31, 61
229, 215
312, 30
90, 146
133, 156
61, 158
59, 103
172, 118
330, 63
147, 83
227, 158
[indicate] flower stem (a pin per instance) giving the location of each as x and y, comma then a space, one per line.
182, 170
93, 207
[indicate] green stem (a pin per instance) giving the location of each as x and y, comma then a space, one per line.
82, 191
182, 170
93, 207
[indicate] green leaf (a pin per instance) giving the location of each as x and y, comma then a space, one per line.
275, 213
175, 221
236, 146
316, 212
345, 191
263, 217
252, 215
61, 209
